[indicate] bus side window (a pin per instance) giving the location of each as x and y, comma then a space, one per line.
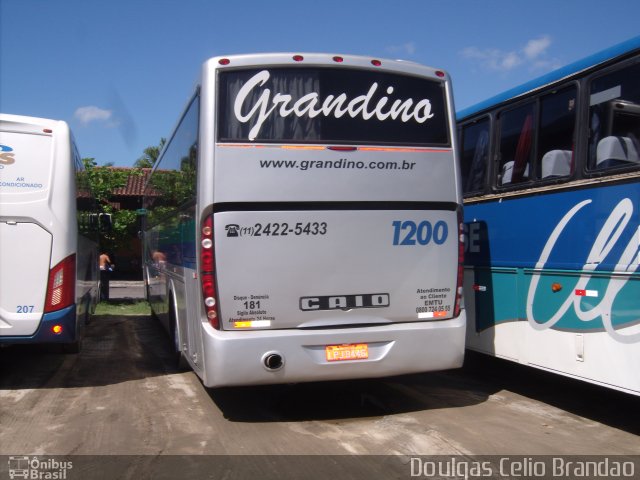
556, 134
614, 120
475, 155
516, 142
175, 172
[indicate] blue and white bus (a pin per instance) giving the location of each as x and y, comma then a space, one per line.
551, 180
304, 221
48, 235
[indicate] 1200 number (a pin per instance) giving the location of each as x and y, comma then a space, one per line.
407, 232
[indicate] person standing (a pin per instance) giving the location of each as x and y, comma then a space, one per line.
106, 267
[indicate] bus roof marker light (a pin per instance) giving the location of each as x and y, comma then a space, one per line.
376, 63
337, 148
298, 58
224, 61
338, 59
440, 73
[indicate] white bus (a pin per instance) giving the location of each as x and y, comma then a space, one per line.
48, 228
303, 222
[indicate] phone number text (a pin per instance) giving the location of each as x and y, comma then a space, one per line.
284, 229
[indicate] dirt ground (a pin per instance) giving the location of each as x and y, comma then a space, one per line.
122, 395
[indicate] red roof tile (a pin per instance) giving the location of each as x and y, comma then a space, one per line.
135, 183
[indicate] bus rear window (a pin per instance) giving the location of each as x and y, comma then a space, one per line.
324, 105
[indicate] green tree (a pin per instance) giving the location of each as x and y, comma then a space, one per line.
150, 155
103, 181
177, 187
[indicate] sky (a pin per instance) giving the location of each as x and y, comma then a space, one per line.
120, 71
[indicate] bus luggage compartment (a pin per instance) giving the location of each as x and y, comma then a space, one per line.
334, 268
23, 277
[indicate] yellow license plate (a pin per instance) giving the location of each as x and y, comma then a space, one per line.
353, 351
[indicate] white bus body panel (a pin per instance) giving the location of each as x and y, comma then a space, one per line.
254, 176
31, 199
24, 261
348, 272
237, 358
593, 357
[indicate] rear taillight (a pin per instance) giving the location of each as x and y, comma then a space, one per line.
459, 285
207, 272
61, 290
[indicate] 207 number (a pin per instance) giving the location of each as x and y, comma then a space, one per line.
24, 309
408, 232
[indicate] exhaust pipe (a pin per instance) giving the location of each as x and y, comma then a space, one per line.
273, 361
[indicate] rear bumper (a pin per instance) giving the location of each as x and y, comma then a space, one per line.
237, 358
66, 318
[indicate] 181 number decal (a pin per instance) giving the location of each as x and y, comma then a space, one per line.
408, 232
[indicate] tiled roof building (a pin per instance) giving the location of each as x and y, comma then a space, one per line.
129, 260
130, 195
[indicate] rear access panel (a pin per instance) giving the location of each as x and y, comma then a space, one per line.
24, 271
316, 269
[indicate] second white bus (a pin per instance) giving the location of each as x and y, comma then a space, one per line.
48, 235
303, 221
